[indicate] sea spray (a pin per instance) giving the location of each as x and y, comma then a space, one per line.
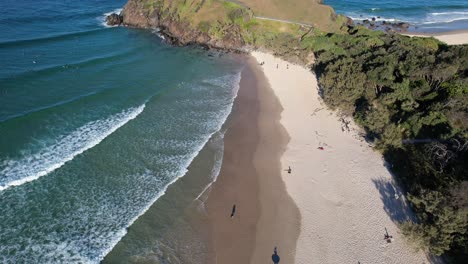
102, 19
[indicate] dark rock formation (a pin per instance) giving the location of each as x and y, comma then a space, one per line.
114, 19
388, 26
403, 25
178, 32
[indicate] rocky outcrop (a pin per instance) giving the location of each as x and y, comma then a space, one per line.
114, 19
177, 32
180, 33
135, 14
387, 26
195, 24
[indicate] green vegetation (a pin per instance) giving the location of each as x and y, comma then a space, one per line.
409, 94
220, 18
411, 97
304, 11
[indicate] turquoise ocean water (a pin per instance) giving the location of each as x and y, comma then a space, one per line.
425, 16
95, 123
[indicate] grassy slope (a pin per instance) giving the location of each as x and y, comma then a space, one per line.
216, 18
304, 11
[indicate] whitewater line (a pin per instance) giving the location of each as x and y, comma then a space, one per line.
36, 161
183, 171
215, 170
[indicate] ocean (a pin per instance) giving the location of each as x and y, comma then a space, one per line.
424, 16
95, 123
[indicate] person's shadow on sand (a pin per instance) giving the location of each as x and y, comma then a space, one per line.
275, 257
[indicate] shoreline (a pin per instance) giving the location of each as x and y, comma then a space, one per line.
454, 37
266, 217
449, 36
345, 194
442, 33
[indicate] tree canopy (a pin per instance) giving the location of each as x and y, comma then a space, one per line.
411, 97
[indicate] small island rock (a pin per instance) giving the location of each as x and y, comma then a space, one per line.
114, 19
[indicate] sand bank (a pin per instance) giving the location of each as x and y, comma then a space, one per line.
250, 178
345, 194
451, 38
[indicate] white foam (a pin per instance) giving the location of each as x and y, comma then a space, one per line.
50, 158
102, 18
445, 20
449, 13
224, 80
111, 223
445, 17
157, 32
360, 19
216, 166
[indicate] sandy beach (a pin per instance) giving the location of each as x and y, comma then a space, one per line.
250, 177
451, 38
345, 194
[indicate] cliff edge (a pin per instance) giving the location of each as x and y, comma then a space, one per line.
232, 25
188, 22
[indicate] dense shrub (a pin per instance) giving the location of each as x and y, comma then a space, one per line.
411, 97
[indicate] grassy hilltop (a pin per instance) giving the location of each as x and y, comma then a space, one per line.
235, 25
311, 12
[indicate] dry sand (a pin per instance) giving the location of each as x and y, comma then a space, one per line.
345, 194
451, 38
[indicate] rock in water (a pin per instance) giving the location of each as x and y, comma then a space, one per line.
114, 19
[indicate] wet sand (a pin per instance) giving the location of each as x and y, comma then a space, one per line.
250, 178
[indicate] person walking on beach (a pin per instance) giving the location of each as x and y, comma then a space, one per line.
387, 237
275, 257
233, 211
289, 169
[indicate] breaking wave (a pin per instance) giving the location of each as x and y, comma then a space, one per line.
32, 166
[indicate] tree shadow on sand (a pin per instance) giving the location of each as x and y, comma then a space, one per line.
396, 206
